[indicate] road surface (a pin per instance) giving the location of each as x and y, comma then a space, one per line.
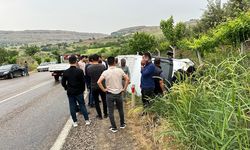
33, 111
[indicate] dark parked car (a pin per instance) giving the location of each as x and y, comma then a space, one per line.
11, 71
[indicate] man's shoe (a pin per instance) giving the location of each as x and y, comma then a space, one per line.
106, 116
123, 126
114, 130
75, 124
99, 117
87, 122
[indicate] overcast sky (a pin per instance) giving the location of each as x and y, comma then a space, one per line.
103, 16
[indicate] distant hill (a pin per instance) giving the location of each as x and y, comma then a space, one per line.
192, 22
59, 36
44, 36
155, 30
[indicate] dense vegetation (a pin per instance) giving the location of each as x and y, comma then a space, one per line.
211, 111
7, 56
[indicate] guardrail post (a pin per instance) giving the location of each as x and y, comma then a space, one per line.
133, 96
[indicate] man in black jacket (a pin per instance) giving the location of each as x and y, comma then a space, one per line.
94, 71
73, 82
158, 77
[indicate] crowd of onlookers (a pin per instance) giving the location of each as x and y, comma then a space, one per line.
107, 81
104, 79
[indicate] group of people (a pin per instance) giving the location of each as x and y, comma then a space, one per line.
108, 80
104, 79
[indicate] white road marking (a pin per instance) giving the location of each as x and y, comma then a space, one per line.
62, 136
31, 89
58, 145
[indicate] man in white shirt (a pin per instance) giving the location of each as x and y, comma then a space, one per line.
82, 63
114, 88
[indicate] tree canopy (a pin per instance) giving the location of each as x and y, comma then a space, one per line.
7, 56
142, 42
173, 33
32, 50
234, 31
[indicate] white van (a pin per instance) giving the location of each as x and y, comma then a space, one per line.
169, 67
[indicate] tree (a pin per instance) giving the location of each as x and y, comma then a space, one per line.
3, 55
32, 50
173, 34
7, 56
141, 42
163, 45
180, 31
213, 16
234, 32
234, 8
167, 28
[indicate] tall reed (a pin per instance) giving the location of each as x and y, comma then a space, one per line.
212, 112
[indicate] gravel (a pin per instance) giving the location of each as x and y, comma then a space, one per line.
97, 135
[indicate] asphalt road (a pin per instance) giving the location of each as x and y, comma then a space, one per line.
33, 111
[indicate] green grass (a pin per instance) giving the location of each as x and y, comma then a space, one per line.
95, 50
212, 112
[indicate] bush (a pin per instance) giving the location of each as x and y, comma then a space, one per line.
47, 59
12, 60
32, 50
31, 62
8, 56
38, 60
214, 111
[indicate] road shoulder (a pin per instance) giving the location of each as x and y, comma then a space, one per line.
97, 136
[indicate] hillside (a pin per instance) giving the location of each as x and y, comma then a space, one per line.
155, 30
40, 37
44, 36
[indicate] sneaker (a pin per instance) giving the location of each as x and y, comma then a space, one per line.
87, 122
123, 126
75, 124
114, 130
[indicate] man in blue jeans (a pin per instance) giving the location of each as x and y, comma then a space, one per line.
73, 82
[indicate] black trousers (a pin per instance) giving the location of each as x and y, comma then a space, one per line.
117, 99
147, 94
96, 93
